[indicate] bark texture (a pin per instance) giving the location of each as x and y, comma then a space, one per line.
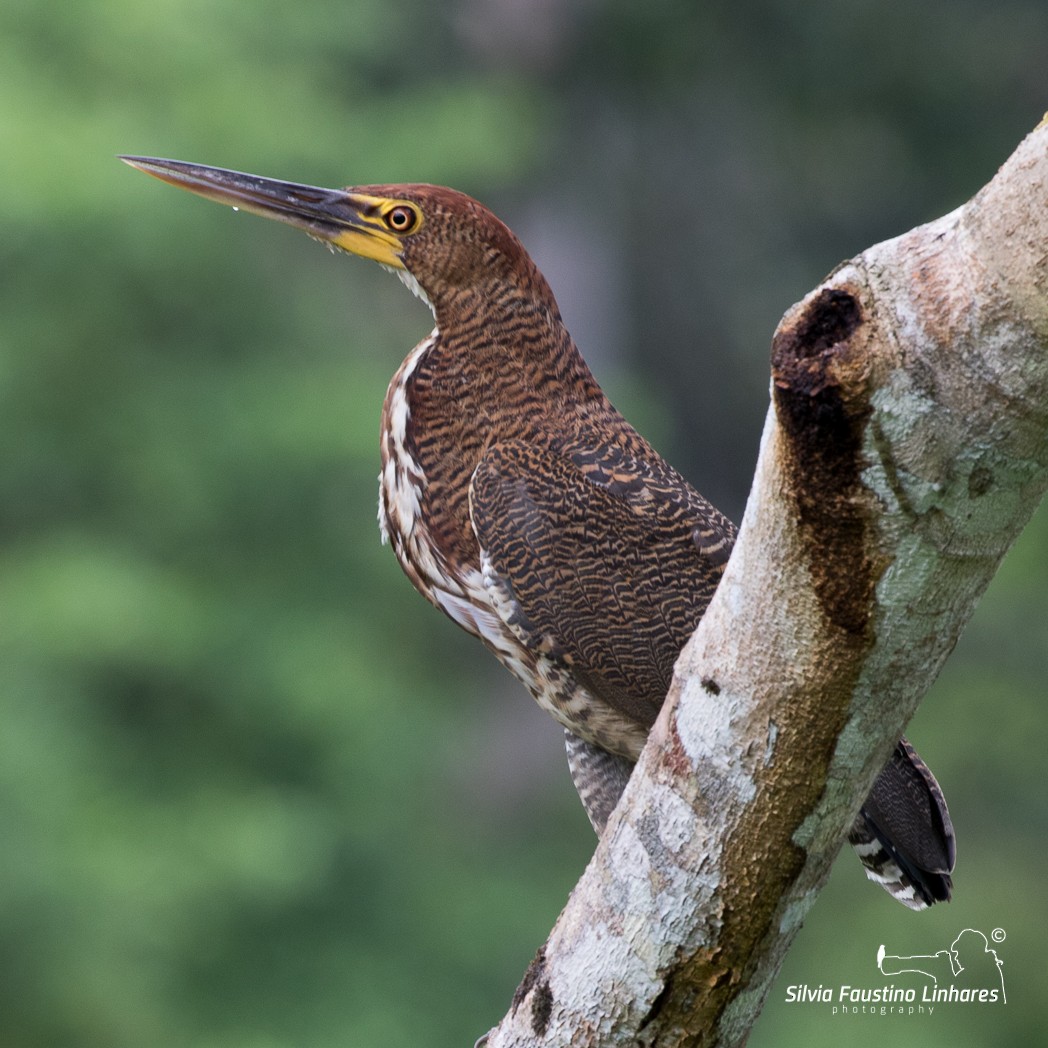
905, 448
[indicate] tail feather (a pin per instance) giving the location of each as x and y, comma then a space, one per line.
903, 834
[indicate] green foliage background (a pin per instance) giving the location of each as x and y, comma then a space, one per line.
253, 791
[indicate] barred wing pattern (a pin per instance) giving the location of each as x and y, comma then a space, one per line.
604, 566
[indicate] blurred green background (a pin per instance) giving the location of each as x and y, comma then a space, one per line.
253, 790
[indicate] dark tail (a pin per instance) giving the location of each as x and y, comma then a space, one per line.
903, 834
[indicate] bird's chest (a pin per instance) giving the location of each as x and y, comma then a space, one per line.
428, 458
435, 429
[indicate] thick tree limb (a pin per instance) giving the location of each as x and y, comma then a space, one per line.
905, 449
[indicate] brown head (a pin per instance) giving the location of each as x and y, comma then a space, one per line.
442, 243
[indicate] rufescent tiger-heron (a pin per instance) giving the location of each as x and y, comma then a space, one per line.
523, 505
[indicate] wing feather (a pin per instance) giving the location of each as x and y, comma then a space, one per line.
597, 563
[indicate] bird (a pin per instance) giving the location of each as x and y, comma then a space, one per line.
525, 507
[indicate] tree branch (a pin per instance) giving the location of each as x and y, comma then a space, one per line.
905, 449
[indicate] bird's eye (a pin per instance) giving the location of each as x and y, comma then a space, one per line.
402, 218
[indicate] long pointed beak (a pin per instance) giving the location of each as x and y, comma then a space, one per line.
347, 220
